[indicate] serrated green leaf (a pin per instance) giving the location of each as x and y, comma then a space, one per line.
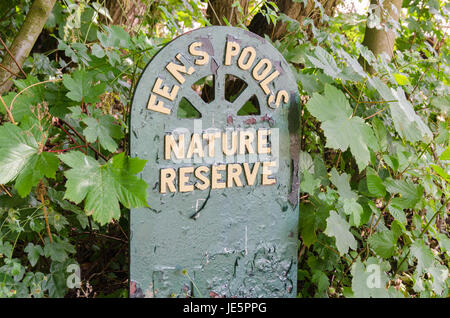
380, 132
410, 193
353, 208
407, 123
103, 129
104, 186
439, 274
20, 159
309, 184
342, 183
44, 164
59, 250
341, 129
401, 79
397, 212
115, 36
81, 87
383, 243
323, 60
307, 224
321, 279
440, 172
33, 252
338, 228
374, 183
424, 255
444, 242
305, 162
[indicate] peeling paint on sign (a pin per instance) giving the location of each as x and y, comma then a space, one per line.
223, 189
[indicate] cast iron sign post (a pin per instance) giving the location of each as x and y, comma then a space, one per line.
223, 192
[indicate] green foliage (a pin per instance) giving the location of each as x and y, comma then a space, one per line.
373, 162
104, 186
374, 185
341, 129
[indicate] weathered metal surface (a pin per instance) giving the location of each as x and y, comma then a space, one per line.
233, 241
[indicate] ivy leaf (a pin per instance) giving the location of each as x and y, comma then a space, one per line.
33, 252
20, 159
424, 255
104, 186
341, 129
338, 228
81, 87
383, 243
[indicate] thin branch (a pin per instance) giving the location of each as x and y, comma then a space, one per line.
32, 85
9, 71
373, 115
8, 111
214, 11
84, 140
40, 193
6, 190
12, 56
334, 251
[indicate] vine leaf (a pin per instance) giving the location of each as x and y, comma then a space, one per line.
341, 129
21, 159
338, 228
104, 186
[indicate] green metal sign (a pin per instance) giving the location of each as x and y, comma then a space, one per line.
211, 115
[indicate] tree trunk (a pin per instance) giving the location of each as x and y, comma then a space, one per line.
24, 41
220, 11
128, 13
381, 41
295, 10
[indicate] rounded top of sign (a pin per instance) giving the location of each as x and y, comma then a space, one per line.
212, 73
